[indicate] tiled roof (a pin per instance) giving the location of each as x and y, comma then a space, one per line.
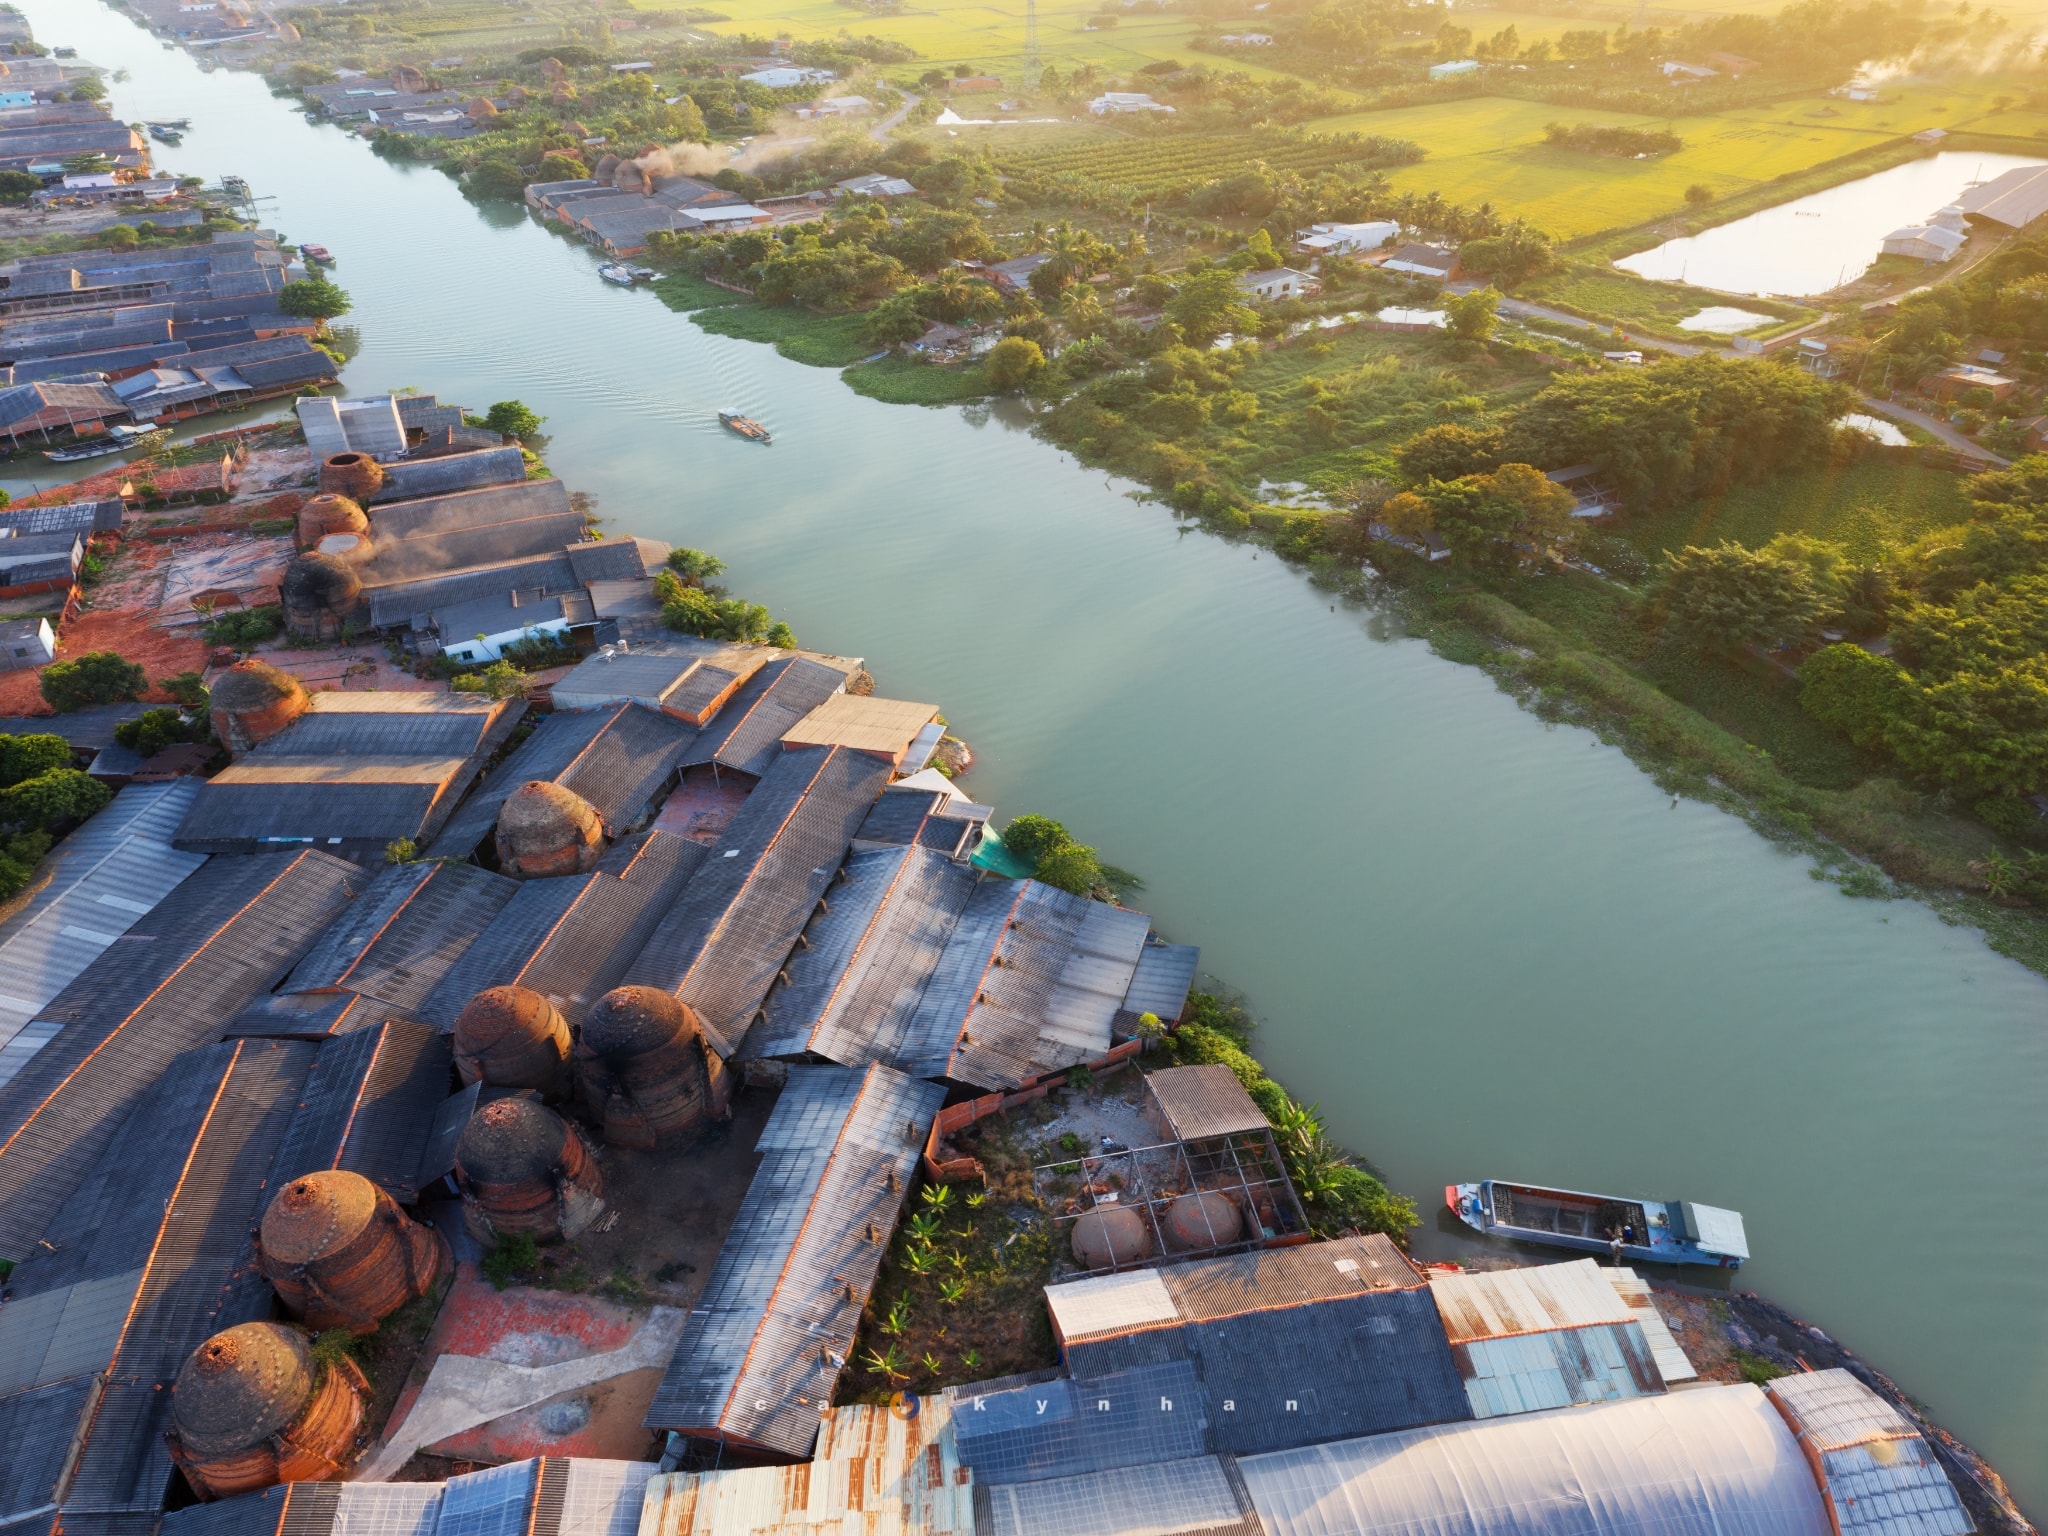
747, 733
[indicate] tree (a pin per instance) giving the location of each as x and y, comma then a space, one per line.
1071, 867
560, 165
1698, 195
1448, 450
1030, 836
694, 566
1471, 316
1260, 248
1208, 304
53, 800
23, 757
1514, 255
1726, 598
153, 730
1013, 363
88, 88
1865, 697
17, 187
97, 677
1491, 521
1984, 732
313, 298
501, 680
1588, 44
512, 419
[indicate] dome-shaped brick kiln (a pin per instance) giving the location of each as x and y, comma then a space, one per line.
645, 1071
252, 1408
544, 829
341, 1254
512, 1037
522, 1168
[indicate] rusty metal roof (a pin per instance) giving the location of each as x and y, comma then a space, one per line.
1500, 1303
1199, 1102
1882, 1478
875, 1473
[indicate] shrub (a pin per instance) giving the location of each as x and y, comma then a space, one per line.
151, 732
514, 1256
694, 566
513, 419
501, 680
97, 677
1031, 837
24, 757
1861, 695
1013, 362
18, 856
244, 628
1072, 867
315, 298
58, 798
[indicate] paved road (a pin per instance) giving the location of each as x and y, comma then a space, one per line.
881, 130
1941, 429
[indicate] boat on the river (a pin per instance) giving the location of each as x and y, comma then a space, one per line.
317, 253
118, 440
746, 426
626, 276
1644, 1231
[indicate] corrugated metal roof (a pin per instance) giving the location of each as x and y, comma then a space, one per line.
765, 1343
1050, 1429
618, 758
309, 1015
548, 574
692, 679
149, 1258
1192, 1497
370, 1105
864, 722
1716, 1461
375, 767
875, 1474
162, 987
401, 936
854, 989
1307, 1343
2014, 199
1499, 1303
95, 884
1672, 1363
720, 947
1882, 1478
1525, 1373
748, 732
572, 939
1160, 985
494, 1502
1031, 981
928, 818
450, 472
1199, 1102
599, 1498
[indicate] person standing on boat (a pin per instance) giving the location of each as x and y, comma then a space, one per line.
1614, 1245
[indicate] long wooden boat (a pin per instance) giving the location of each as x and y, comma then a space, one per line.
118, 440
1642, 1231
746, 426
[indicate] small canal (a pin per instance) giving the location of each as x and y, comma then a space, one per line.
1487, 946
1815, 243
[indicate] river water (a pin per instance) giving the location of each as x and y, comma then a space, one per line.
1486, 946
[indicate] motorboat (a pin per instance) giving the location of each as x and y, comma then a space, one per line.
1642, 1231
746, 426
317, 253
164, 133
626, 276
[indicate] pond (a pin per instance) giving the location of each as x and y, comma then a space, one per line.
1724, 320
1886, 432
1815, 243
1488, 946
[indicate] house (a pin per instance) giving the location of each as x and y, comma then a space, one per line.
1418, 260
1678, 72
26, 643
1280, 283
727, 217
42, 562
1115, 103
1924, 242
874, 185
1950, 385
837, 106
1010, 276
1247, 39
48, 408
1343, 239
1590, 497
367, 424
1813, 355
782, 77
637, 67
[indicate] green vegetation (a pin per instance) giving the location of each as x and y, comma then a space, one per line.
244, 628
97, 677
694, 608
149, 733
313, 298
1601, 139
510, 418
1055, 858
24, 757
513, 1257
52, 801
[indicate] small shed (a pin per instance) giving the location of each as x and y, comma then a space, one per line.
1192, 1103
1280, 283
1418, 260
884, 727
26, 642
1546, 1336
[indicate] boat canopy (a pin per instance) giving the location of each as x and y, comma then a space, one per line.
1712, 1228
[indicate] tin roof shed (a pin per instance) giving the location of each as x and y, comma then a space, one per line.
864, 722
1194, 1103
370, 1107
765, 1343
691, 680
1880, 1476
773, 702
1544, 1336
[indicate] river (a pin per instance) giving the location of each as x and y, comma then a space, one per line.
1486, 946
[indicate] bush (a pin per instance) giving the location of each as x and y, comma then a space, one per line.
244, 628
1861, 695
694, 566
49, 801
313, 299
24, 757
501, 680
1014, 362
513, 419
150, 733
514, 1256
97, 677
18, 856
1072, 867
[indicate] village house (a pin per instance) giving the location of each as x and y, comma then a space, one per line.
1678, 72
1280, 283
1959, 383
782, 77
837, 106
873, 185
1434, 261
1345, 239
1450, 69
1116, 103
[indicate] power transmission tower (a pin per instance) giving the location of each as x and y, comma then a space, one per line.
1031, 65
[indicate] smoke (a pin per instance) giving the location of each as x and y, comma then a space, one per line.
765, 149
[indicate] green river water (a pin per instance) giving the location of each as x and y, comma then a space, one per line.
1486, 946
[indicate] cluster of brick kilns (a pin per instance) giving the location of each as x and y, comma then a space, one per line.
261, 1403
641, 1072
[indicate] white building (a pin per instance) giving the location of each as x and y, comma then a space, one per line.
1280, 283
1678, 72
1452, 68
780, 77
26, 643
1342, 239
1248, 39
1112, 102
873, 185
837, 106
727, 216
1925, 242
